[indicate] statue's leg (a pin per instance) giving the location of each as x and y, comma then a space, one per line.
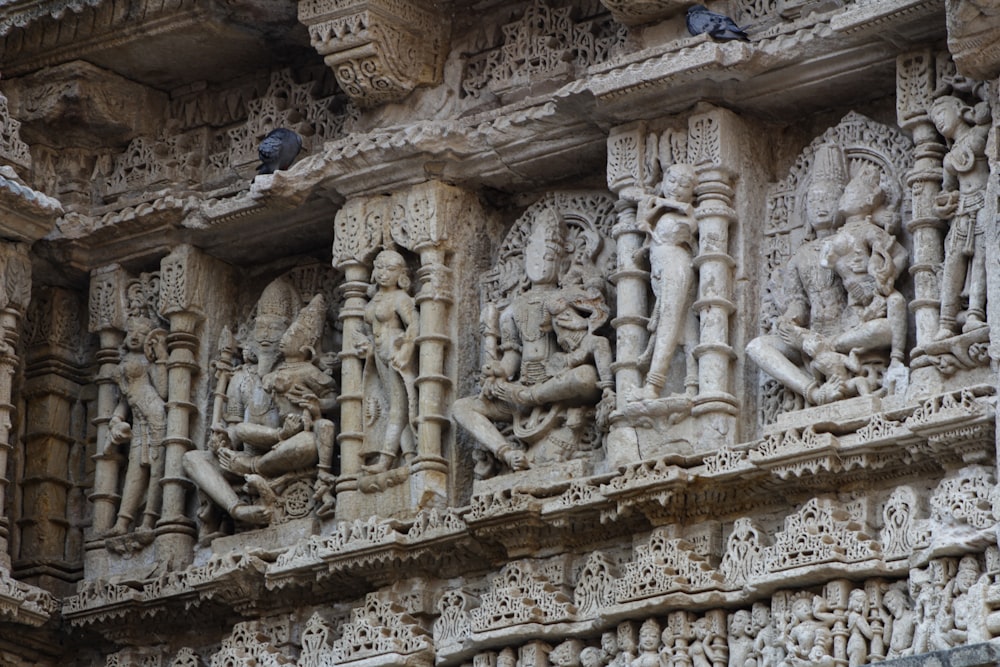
296, 453
576, 385
204, 471
952, 280
475, 415
771, 354
136, 480
154, 492
976, 315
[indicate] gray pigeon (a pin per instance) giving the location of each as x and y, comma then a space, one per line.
278, 150
701, 20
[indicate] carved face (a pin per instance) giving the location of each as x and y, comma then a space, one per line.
821, 204
946, 115
135, 335
678, 183
542, 256
801, 610
268, 330
649, 637
861, 196
609, 644
389, 266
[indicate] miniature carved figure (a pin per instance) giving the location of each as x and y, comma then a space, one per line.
141, 420
591, 656
962, 613
858, 627
274, 421
741, 640
669, 221
609, 647
843, 307
649, 645
566, 654
765, 644
810, 641
552, 367
900, 625
701, 651
962, 201
391, 367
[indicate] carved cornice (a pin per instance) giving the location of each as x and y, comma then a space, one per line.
637, 12
379, 50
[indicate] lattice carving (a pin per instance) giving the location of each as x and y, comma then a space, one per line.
317, 647
13, 151
455, 622
249, 645
965, 498
522, 594
544, 43
381, 627
665, 565
822, 531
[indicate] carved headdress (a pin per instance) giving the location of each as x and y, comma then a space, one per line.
829, 166
307, 328
279, 299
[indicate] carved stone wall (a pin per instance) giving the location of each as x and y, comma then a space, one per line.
569, 338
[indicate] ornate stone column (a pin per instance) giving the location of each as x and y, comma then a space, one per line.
48, 546
107, 320
914, 93
15, 293
713, 147
357, 236
186, 277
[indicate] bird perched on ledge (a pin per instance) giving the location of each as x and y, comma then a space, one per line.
701, 20
278, 150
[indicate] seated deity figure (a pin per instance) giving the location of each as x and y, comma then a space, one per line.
843, 308
140, 418
815, 298
810, 641
550, 364
276, 403
669, 221
963, 201
390, 367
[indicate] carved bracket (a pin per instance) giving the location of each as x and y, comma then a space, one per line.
379, 50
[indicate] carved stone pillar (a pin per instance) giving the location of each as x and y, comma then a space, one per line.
379, 50
54, 446
107, 320
357, 236
15, 293
915, 92
186, 277
626, 155
713, 141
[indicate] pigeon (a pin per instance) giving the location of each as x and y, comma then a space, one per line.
278, 150
701, 20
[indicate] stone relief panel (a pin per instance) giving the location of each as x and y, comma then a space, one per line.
547, 387
270, 456
834, 319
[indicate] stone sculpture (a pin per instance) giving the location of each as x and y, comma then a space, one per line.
274, 432
669, 221
390, 368
549, 365
843, 308
140, 417
962, 203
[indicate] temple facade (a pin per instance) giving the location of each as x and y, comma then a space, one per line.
569, 338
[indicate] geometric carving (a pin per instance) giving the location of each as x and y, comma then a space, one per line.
13, 151
379, 50
974, 37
